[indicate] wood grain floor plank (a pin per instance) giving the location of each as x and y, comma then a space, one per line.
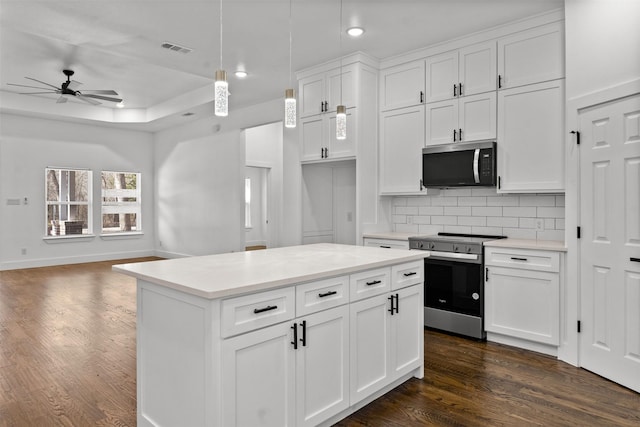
68, 358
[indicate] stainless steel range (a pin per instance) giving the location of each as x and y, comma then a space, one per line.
454, 282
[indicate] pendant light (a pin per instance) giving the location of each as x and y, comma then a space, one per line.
221, 87
341, 110
290, 94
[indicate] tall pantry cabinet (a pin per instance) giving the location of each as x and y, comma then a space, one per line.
339, 176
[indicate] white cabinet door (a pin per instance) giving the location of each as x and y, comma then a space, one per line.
341, 91
477, 117
469, 118
531, 56
442, 122
312, 130
523, 304
401, 143
258, 378
531, 138
339, 149
402, 86
369, 346
478, 68
442, 76
407, 331
311, 94
322, 365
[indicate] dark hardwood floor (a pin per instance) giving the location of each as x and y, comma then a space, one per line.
67, 358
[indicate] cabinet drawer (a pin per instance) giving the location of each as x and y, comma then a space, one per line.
386, 243
249, 312
370, 283
320, 295
410, 273
523, 258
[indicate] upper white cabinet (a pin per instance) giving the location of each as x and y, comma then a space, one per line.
531, 138
321, 93
467, 71
401, 142
318, 136
402, 86
531, 56
469, 118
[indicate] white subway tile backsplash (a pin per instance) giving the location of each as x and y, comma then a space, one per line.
444, 201
472, 201
481, 211
503, 201
406, 210
551, 212
457, 210
535, 200
480, 221
528, 211
486, 211
431, 210
444, 220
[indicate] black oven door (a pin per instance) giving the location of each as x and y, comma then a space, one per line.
453, 286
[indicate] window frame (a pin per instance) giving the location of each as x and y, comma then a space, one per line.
111, 207
68, 203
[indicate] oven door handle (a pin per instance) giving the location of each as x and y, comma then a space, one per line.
454, 255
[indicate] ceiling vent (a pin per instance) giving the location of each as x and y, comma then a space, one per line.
176, 48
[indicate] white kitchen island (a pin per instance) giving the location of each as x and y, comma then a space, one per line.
291, 336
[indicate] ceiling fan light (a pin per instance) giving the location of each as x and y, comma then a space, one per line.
221, 94
289, 108
120, 104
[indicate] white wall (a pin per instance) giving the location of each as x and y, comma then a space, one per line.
27, 146
602, 44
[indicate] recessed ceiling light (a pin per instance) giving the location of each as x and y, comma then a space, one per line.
355, 31
241, 74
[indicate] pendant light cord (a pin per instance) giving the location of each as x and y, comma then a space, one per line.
290, 41
221, 34
340, 52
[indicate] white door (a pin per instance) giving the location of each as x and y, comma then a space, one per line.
610, 241
402, 86
256, 191
344, 204
312, 130
311, 95
322, 365
478, 72
317, 204
407, 331
441, 125
258, 380
477, 117
442, 76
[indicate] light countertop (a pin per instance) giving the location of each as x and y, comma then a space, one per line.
389, 235
224, 275
547, 245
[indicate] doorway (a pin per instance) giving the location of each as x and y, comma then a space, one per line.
256, 195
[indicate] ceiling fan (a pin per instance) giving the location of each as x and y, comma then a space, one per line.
70, 88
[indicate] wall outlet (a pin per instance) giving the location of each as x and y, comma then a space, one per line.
539, 224
409, 219
23, 251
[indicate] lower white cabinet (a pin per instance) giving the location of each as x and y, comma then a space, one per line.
386, 243
522, 294
386, 339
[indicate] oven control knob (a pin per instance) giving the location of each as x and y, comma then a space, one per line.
469, 250
432, 246
475, 296
455, 249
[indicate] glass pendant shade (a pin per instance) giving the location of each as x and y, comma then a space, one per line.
341, 122
289, 108
221, 95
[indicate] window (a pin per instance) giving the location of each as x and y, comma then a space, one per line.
121, 203
68, 201
247, 203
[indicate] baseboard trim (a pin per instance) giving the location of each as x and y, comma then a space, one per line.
80, 259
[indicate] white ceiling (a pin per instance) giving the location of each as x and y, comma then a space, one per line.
115, 44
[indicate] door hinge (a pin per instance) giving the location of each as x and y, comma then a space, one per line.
577, 134
578, 232
579, 326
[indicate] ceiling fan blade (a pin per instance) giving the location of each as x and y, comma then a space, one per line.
46, 84
87, 99
32, 87
73, 85
36, 93
100, 92
105, 98
61, 100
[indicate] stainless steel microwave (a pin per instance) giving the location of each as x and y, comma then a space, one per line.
459, 165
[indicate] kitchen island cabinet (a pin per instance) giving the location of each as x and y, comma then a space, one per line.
263, 338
